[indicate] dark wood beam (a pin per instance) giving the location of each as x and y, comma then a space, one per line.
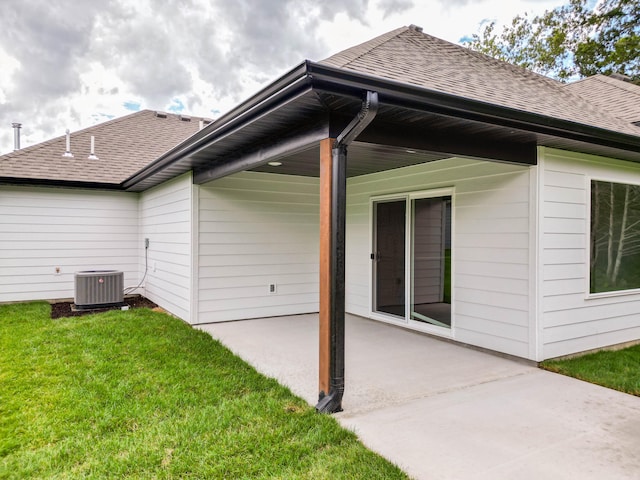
486, 145
458, 137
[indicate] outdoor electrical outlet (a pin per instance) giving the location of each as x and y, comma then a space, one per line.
146, 243
272, 288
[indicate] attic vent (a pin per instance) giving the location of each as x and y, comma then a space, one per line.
161, 115
620, 76
415, 28
184, 118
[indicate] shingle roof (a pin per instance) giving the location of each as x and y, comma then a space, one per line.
620, 98
123, 145
127, 145
410, 56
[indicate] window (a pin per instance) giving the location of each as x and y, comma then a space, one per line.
615, 237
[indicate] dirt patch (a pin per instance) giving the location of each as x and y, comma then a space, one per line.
63, 309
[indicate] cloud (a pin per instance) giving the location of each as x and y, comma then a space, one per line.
267, 37
69, 64
450, 3
73, 58
47, 39
143, 48
390, 7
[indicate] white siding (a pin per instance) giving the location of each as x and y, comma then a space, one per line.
572, 322
165, 219
256, 229
491, 246
42, 229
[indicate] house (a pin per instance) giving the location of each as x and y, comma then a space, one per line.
407, 179
65, 213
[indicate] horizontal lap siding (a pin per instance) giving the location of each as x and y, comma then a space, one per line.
490, 241
256, 229
571, 322
73, 229
165, 219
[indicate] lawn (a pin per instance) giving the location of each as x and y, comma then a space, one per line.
619, 369
139, 394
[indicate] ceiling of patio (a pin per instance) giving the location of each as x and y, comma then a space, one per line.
362, 159
396, 138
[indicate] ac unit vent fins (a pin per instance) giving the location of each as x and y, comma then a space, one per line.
99, 288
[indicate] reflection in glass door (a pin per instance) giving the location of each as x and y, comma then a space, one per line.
417, 272
431, 261
389, 257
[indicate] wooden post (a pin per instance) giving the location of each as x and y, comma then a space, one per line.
325, 264
332, 275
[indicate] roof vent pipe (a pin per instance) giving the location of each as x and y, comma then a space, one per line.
201, 124
92, 155
16, 135
68, 152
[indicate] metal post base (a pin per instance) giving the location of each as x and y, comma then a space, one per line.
331, 403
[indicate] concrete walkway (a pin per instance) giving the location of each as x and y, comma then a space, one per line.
442, 411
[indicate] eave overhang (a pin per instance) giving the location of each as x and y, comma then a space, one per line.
318, 93
308, 103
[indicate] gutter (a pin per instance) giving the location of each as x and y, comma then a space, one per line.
347, 83
393, 93
45, 182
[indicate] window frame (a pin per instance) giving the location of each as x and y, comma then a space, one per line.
611, 293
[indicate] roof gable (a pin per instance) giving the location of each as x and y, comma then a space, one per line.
123, 146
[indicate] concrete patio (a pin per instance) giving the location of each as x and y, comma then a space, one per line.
440, 410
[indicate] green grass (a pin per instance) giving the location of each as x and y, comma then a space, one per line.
139, 394
618, 369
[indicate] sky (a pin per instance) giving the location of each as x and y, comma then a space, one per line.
70, 64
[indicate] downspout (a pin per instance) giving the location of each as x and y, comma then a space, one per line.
331, 402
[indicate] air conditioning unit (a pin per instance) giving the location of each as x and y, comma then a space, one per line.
99, 288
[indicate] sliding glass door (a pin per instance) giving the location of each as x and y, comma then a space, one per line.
390, 257
412, 258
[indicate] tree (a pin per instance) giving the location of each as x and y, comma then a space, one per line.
573, 40
615, 236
